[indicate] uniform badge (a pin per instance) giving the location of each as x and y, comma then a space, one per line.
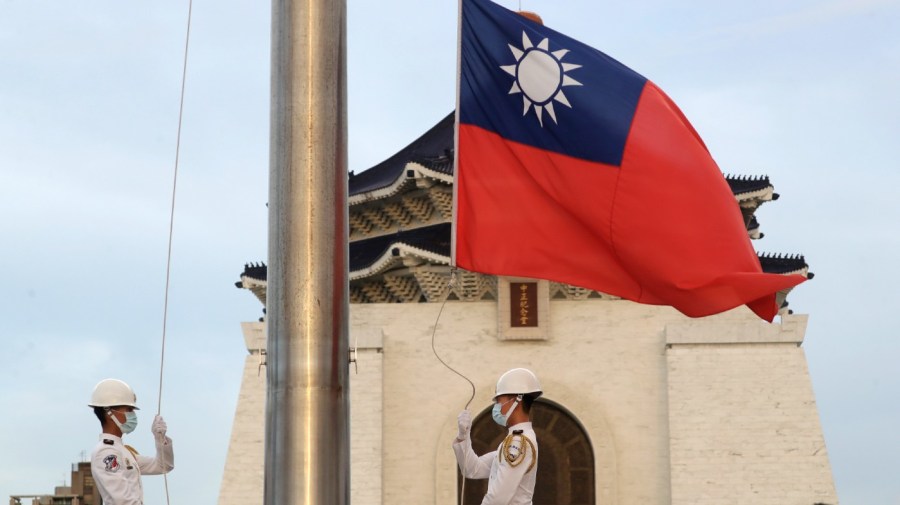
112, 464
514, 448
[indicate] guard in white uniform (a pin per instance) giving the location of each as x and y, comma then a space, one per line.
116, 467
512, 468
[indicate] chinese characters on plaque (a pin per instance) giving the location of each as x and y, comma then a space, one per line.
523, 304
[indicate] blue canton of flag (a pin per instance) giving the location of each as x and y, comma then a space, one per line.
539, 87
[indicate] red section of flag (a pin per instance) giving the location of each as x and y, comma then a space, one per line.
663, 228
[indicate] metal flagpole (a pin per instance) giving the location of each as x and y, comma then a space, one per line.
307, 404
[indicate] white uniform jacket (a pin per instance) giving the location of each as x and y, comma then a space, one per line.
512, 473
117, 470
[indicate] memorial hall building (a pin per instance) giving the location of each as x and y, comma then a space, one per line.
641, 404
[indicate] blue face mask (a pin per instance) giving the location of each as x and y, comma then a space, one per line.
130, 422
497, 412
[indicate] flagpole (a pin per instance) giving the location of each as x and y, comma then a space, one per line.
456, 136
307, 455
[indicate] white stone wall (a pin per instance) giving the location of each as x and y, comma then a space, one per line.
366, 421
639, 379
242, 480
744, 428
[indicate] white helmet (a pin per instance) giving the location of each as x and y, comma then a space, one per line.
518, 381
113, 393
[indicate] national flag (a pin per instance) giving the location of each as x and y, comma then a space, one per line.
574, 168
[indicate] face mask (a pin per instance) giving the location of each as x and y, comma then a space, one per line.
497, 412
130, 422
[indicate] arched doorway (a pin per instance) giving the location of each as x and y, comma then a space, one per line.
566, 464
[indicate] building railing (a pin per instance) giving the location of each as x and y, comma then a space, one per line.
46, 499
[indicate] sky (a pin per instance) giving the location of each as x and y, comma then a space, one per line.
802, 91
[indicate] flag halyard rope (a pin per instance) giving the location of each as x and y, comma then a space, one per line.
162, 358
450, 285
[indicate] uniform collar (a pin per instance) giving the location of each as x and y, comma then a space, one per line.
109, 436
521, 426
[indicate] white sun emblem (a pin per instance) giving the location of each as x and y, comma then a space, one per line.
540, 76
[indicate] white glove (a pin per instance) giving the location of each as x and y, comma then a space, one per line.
464, 424
159, 428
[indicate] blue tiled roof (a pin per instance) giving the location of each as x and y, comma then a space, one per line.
745, 184
434, 239
363, 253
434, 149
783, 263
